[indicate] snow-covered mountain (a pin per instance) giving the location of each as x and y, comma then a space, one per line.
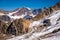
44, 28
43, 25
18, 13
21, 13
34, 35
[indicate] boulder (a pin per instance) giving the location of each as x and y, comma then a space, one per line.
46, 22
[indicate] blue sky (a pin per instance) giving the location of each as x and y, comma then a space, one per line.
13, 4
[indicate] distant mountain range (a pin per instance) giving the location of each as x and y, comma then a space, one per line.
24, 11
21, 13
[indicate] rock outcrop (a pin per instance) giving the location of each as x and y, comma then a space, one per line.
19, 26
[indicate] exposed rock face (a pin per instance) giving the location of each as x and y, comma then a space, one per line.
28, 17
3, 27
23, 11
57, 6
39, 16
36, 11
19, 26
43, 14
3, 12
47, 11
11, 29
5, 18
46, 22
